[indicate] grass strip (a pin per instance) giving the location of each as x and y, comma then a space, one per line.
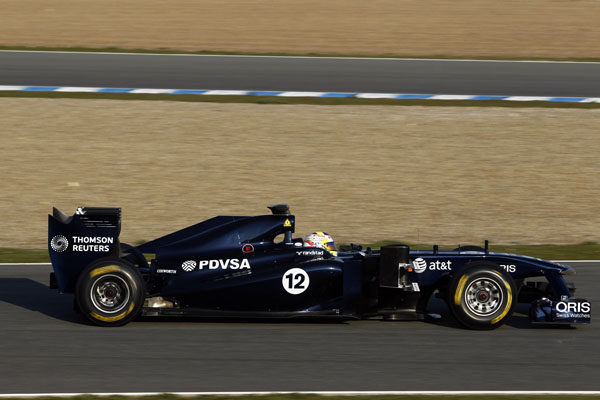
581, 251
112, 49
299, 396
329, 101
15, 255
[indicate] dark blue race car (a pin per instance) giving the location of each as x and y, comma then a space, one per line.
232, 266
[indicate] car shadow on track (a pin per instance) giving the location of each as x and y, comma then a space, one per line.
520, 320
34, 296
243, 320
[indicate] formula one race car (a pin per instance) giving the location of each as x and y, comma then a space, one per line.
231, 266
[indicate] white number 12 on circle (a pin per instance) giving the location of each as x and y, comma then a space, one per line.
295, 281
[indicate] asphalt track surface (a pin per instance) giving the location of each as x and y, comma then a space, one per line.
46, 347
300, 74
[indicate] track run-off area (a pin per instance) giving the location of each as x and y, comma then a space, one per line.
321, 74
47, 348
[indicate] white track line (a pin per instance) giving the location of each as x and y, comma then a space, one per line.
301, 94
377, 95
78, 89
451, 97
22, 264
152, 91
11, 87
226, 92
324, 393
301, 57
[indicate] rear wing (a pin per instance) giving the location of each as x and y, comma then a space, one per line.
75, 241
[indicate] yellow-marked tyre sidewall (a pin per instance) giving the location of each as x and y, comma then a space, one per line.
460, 283
113, 267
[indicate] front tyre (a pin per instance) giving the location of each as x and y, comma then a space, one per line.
110, 292
481, 296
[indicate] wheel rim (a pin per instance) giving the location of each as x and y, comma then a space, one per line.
483, 297
110, 293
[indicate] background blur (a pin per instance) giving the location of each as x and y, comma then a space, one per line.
466, 28
361, 173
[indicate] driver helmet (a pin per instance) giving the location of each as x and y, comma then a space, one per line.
321, 240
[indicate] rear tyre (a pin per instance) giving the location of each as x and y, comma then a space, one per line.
482, 296
110, 292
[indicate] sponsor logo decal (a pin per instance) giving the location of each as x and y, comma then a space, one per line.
310, 253
509, 267
92, 243
247, 248
231, 263
59, 243
295, 281
420, 265
166, 271
566, 309
571, 307
287, 224
189, 265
